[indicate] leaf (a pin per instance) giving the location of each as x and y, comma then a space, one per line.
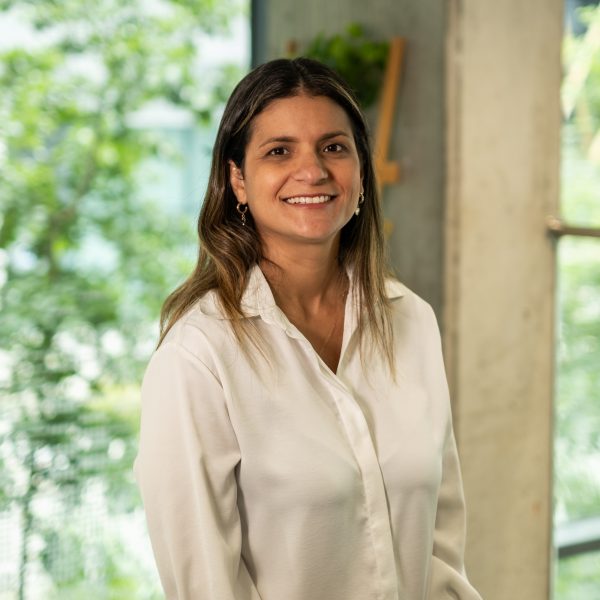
358, 59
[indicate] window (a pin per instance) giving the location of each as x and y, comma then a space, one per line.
107, 114
577, 441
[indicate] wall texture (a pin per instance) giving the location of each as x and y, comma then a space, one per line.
503, 116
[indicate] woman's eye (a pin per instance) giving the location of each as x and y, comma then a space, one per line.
334, 148
279, 151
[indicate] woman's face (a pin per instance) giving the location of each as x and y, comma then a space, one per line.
301, 177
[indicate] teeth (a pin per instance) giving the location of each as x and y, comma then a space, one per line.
308, 199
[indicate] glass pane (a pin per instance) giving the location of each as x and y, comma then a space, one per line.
577, 440
577, 450
577, 577
107, 114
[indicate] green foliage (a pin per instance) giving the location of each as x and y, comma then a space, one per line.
580, 92
577, 577
577, 488
357, 58
577, 451
85, 260
578, 409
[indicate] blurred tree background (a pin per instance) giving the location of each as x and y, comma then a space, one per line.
87, 255
89, 249
577, 450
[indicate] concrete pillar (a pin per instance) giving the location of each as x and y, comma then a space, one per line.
503, 116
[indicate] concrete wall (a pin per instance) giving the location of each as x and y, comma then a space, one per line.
415, 204
503, 166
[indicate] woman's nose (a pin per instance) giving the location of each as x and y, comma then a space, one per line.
310, 168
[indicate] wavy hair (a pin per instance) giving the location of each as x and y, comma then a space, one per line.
228, 250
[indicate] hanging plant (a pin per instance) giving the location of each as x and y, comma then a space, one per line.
357, 58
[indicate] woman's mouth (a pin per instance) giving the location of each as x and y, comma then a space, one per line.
308, 199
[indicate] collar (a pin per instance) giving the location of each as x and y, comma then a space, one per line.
258, 299
394, 289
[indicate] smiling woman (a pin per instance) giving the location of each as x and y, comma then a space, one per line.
301, 179
303, 186
323, 466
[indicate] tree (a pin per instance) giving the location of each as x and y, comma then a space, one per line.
85, 260
577, 484
579, 335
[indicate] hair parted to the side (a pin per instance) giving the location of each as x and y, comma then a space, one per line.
228, 250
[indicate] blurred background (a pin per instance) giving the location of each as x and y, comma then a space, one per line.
486, 119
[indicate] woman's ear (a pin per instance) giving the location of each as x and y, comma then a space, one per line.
236, 179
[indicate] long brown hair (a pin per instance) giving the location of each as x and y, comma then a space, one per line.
228, 250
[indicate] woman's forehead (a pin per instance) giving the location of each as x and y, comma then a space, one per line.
299, 115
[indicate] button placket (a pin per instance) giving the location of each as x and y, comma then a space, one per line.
359, 437
360, 440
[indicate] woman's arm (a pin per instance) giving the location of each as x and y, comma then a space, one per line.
447, 578
185, 469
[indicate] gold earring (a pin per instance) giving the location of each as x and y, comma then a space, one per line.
361, 199
242, 212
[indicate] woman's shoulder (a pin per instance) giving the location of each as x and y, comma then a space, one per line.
403, 297
408, 305
205, 329
201, 331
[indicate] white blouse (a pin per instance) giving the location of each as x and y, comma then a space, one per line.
286, 481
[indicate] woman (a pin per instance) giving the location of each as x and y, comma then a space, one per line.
296, 437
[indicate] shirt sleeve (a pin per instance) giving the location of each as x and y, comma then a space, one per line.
448, 580
185, 469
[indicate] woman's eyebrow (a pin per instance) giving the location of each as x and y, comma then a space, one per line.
333, 134
285, 139
290, 139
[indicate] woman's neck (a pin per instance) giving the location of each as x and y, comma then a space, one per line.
305, 284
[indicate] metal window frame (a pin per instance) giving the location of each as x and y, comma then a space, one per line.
558, 228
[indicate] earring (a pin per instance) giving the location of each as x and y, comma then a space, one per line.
242, 212
361, 199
